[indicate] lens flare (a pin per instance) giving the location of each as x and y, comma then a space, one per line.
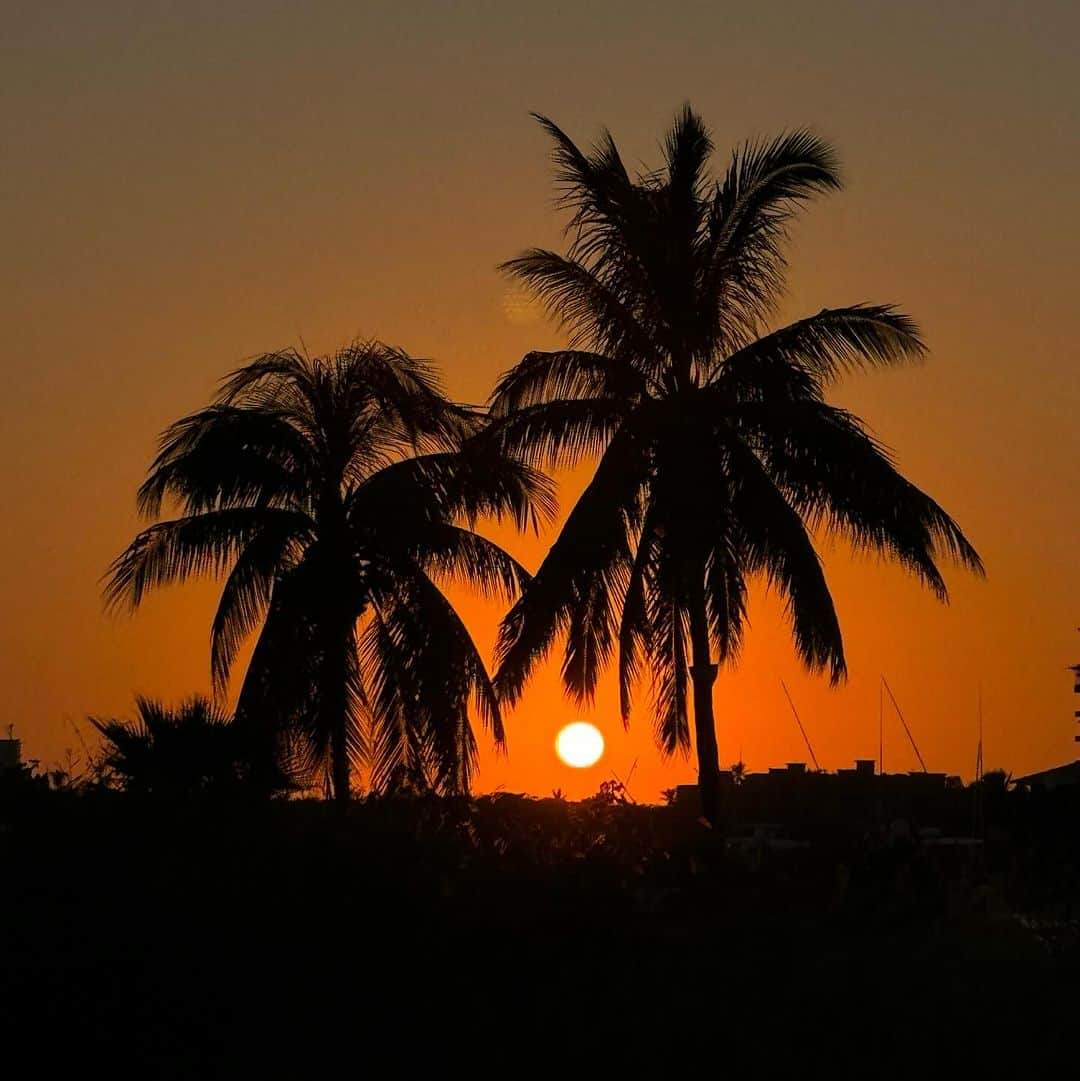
519, 307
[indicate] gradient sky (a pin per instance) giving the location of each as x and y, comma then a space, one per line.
187, 184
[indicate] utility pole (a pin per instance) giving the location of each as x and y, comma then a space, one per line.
1076, 690
979, 754
977, 817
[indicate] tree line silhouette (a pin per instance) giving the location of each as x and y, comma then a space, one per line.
337, 495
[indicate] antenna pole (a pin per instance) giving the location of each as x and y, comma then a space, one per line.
881, 729
911, 738
979, 757
977, 825
806, 738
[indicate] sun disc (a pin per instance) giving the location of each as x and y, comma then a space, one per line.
580, 744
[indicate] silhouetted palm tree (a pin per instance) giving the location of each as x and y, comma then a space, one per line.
195, 749
336, 493
718, 454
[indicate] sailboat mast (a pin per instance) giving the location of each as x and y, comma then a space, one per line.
899, 713
806, 738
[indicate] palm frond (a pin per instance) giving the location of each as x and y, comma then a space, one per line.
668, 648
839, 476
433, 675
227, 456
590, 554
456, 554
404, 388
567, 374
595, 316
480, 480
245, 597
198, 545
557, 434
824, 347
725, 594
282, 700
635, 630
400, 744
262, 379
763, 188
687, 148
595, 187
774, 541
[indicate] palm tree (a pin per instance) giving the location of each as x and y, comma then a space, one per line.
194, 749
335, 494
719, 456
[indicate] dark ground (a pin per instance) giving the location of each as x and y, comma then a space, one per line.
520, 937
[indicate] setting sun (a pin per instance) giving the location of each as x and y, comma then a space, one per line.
580, 744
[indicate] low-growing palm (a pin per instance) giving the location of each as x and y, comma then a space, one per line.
194, 749
336, 494
719, 455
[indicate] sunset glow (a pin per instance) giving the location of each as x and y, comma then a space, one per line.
188, 248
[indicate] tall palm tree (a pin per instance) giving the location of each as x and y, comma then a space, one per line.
719, 456
335, 494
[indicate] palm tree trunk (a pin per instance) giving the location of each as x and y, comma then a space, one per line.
340, 755
703, 675
334, 691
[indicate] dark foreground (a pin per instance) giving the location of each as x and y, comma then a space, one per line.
521, 938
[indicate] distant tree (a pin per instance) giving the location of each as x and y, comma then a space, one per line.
719, 455
611, 792
996, 781
193, 749
336, 494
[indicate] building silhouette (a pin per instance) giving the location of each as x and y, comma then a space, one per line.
858, 798
10, 752
1076, 690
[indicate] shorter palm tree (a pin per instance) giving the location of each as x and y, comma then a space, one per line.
336, 495
193, 749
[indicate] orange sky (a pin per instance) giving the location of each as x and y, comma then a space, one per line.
185, 185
